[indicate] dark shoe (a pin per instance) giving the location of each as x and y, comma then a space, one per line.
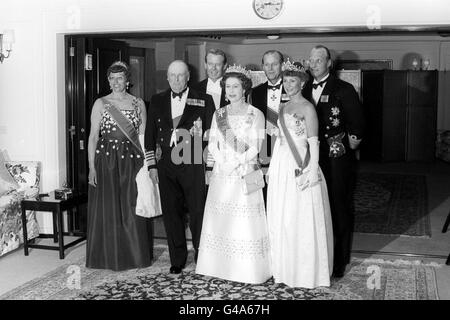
175, 269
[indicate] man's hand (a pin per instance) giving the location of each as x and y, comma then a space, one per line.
208, 175
353, 142
154, 175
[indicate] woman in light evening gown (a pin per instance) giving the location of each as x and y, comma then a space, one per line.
298, 210
234, 243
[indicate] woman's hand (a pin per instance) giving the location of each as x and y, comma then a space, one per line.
309, 178
229, 166
92, 177
275, 132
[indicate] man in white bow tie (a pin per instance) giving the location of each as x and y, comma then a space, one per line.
341, 123
267, 97
177, 121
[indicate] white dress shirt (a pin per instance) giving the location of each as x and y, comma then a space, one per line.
316, 93
215, 90
178, 104
274, 97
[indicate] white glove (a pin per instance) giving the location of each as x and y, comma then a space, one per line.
229, 166
353, 141
311, 176
141, 141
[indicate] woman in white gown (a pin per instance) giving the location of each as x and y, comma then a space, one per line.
298, 210
234, 243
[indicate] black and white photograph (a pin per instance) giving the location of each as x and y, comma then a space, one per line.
224, 157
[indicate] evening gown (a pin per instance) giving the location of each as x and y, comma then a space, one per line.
300, 227
234, 243
117, 238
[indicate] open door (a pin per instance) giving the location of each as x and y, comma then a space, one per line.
87, 60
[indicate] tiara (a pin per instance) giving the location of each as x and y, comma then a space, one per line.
289, 66
239, 69
120, 63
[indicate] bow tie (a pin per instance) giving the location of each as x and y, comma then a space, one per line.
179, 94
275, 87
321, 83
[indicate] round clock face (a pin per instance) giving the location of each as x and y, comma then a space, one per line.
267, 9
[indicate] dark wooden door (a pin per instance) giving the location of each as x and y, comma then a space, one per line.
84, 85
394, 116
422, 101
372, 101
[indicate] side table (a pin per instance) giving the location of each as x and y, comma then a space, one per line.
48, 202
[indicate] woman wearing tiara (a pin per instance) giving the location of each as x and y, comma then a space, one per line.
117, 238
298, 210
234, 242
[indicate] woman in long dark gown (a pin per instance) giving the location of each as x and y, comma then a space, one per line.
117, 238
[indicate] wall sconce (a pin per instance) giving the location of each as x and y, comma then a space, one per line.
426, 64
6, 41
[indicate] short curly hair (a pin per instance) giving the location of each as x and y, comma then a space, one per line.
119, 66
246, 82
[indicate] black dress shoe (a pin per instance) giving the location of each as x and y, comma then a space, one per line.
175, 269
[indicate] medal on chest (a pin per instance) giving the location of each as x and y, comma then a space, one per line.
273, 97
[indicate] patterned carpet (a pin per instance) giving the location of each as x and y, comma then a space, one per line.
365, 280
393, 204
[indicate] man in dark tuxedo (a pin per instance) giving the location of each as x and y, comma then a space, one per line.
177, 121
341, 124
215, 65
267, 98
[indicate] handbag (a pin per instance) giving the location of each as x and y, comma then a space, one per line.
253, 181
148, 202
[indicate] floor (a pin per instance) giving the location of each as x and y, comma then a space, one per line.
16, 269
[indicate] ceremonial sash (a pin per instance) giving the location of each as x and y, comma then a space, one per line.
124, 125
272, 116
301, 164
228, 134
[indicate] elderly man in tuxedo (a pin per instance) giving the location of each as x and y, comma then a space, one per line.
177, 121
215, 65
267, 98
341, 124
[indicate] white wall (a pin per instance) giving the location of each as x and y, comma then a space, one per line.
32, 97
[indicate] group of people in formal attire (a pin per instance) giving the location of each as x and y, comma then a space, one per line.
297, 132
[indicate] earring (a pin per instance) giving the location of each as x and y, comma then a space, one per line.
128, 84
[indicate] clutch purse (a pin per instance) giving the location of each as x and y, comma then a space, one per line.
253, 181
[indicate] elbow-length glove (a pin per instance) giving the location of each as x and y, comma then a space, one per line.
311, 175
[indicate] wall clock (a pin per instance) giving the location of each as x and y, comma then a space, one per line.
267, 9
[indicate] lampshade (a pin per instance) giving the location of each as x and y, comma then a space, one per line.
8, 37
6, 40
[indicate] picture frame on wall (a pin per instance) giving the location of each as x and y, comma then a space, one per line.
370, 64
